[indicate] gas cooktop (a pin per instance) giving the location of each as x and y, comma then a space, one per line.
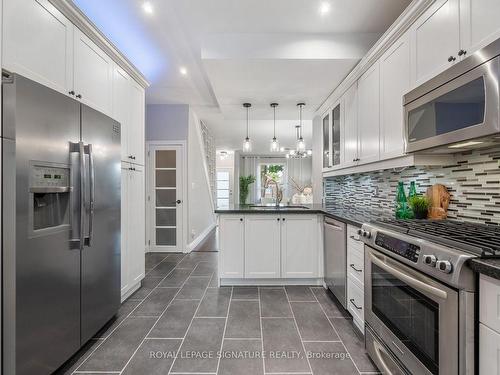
479, 239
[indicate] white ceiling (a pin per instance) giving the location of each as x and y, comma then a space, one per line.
237, 51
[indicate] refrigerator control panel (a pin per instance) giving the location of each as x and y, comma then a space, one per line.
47, 177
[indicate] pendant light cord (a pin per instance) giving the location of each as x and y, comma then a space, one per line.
247, 123
274, 130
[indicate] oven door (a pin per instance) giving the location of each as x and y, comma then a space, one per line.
415, 316
462, 109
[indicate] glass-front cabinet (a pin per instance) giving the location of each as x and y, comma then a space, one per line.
332, 146
326, 141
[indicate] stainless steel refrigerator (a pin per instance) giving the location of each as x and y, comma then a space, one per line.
61, 225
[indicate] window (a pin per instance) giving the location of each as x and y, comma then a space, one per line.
223, 188
275, 172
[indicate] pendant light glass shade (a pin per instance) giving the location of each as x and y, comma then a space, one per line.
274, 146
247, 143
301, 144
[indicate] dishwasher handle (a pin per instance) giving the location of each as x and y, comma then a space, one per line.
330, 225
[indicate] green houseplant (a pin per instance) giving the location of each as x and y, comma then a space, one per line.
420, 206
245, 181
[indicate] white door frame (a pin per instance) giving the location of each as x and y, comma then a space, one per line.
150, 211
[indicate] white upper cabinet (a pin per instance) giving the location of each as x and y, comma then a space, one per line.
299, 249
369, 115
38, 43
121, 106
394, 83
93, 74
479, 24
136, 126
350, 126
435, 40
262, 246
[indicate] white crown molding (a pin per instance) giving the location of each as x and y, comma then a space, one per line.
396, 30
80, 20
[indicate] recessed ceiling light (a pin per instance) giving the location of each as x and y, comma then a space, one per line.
324, 8
147, 7
183, 70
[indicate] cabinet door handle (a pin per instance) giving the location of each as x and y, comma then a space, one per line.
79, 96
278, 219
462, 52
71, 92
354, 304
354, 268
283, 219
241, 219
451, 58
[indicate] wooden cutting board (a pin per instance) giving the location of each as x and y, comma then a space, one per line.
439, 199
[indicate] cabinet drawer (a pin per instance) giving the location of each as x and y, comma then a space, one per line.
489, 302
356, 303
355, 265
353, 239
489, 351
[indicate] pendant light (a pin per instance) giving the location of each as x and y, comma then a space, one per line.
275, 146
301, 145
247, 143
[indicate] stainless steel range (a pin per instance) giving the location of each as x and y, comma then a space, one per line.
420, 294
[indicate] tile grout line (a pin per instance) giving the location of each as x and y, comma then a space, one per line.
187, 330
261, 333
146, 273
173, 298
225, 327
298, 331
103, 339
340, 338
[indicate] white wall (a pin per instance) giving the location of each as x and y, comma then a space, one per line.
200, 204
167, 122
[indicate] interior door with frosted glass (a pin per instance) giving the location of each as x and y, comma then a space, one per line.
166, 198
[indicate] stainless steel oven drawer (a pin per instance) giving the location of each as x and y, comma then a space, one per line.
380, 355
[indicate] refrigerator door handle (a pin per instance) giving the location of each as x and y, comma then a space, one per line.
80, 149
89, 151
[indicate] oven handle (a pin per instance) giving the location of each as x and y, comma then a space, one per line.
378, 348
417, 284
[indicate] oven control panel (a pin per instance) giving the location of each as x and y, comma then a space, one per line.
402, 248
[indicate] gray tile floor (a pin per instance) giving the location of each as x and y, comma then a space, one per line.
180, 322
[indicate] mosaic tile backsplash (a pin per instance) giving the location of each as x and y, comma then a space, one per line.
473, 180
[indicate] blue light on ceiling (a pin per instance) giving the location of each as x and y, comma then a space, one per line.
120, 21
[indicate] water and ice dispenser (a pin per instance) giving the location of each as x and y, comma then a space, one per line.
50, 190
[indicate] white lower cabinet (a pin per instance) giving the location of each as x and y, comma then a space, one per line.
355, 277
231, 246
489, 326
133, 227
262, 246
299, 237
270, 246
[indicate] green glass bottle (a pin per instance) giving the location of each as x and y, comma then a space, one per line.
413, 190
401, 202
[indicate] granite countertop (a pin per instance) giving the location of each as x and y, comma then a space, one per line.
486, 266
346, 214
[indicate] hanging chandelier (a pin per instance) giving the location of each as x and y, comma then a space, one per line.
300, 145
275, 146
247, 143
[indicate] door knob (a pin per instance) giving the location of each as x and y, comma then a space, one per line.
451, 58
178, 201
462, 52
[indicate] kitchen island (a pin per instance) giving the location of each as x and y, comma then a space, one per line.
269, 245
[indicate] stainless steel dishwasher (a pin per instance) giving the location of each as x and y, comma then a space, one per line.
336, 258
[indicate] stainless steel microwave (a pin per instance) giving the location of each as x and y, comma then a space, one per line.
458, 109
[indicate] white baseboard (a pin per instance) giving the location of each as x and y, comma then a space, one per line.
131, 291
271, 282
198, 240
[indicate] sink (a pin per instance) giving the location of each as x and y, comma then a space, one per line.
273, 207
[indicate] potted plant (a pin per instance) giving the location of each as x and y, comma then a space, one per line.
245, 181
420, 206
